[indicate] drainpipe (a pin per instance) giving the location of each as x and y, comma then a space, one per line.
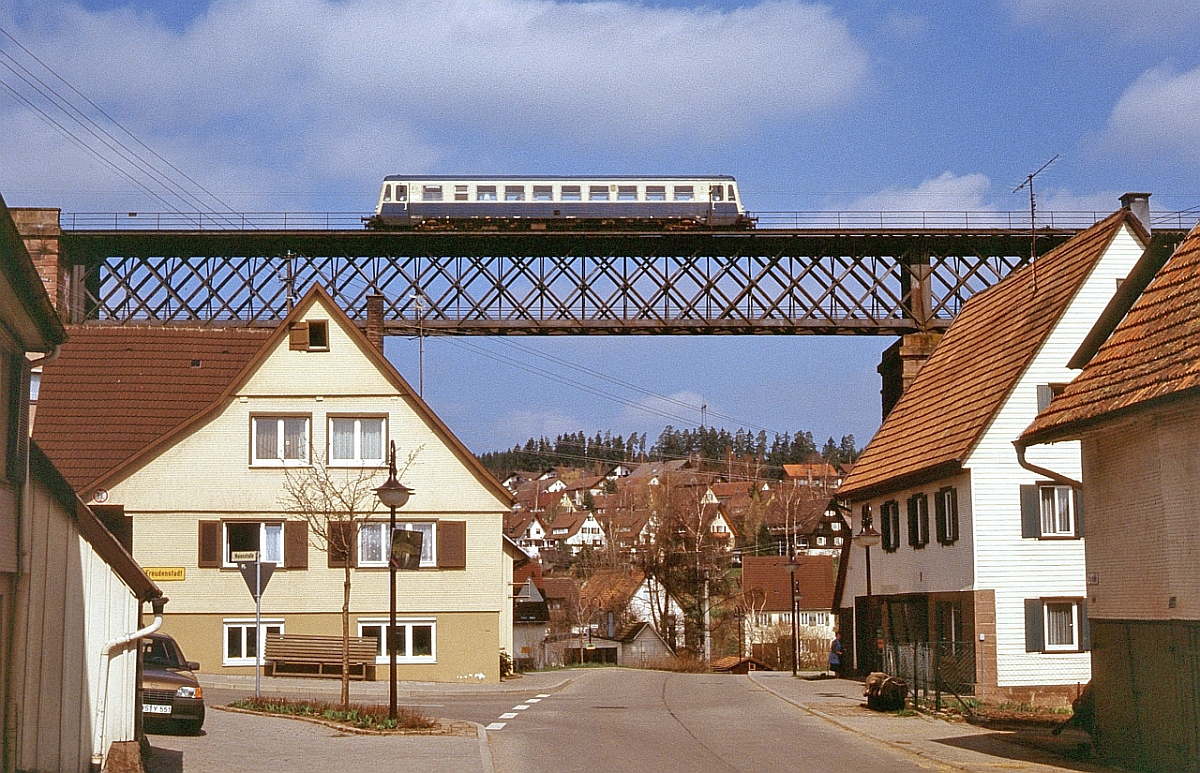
1051, 474
110, 647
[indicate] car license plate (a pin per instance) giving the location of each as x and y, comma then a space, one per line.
155, 708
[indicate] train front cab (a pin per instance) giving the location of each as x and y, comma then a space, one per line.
723, 206
393, 204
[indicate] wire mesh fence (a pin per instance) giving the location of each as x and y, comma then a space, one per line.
936, 672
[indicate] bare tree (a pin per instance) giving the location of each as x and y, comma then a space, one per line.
335, 502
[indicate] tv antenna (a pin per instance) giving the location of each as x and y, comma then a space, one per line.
1033, 210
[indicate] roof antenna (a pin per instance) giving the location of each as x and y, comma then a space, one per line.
1032, 215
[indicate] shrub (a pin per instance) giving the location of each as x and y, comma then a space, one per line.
356, 715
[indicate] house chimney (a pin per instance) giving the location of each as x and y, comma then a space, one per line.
1139, 206
375, 320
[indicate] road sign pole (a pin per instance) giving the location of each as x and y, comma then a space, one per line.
258, 637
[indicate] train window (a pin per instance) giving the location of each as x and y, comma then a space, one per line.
656, 193
570, 193
514, 192
485, 193
717, 193
683, 193
460, 193
387, 193
731, 196
431, 193
543, 193
626, 193
598, 192
401, 193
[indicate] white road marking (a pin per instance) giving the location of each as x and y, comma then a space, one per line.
533, 700
508, 715
522, 707
496, 726
543, 695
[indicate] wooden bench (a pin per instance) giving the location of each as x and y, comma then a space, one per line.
301, 655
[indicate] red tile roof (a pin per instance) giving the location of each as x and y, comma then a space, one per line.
935, 424
1152, 357
765, 582
113, 391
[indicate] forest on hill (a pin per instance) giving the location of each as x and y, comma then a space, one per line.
766, 455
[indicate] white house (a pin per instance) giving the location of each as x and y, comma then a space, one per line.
71, 596
1135, 409
979, 554
194, 434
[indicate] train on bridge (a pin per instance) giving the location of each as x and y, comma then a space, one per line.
510, 203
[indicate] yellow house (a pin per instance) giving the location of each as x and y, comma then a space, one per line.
188, 436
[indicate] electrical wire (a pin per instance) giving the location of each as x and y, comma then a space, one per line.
155, 181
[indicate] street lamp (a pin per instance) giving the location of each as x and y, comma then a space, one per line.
868, 538
792, 565
392, 494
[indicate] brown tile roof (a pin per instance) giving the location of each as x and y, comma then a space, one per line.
765, 582
1153, 356
611, 589
113, 391
957, 392
816, 470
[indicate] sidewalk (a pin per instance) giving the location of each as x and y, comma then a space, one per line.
945, 745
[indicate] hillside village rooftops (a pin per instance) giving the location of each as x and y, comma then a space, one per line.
1152, 358
937, 422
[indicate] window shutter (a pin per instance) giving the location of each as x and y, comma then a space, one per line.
1031, 515
914, 535
210, 545
342, 545
939, 513
452, 544
18, 426
1085, 629
298, 336
1035, 631
1077, 496
952, 520
295, 544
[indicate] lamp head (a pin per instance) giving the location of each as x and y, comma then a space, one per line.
393, 493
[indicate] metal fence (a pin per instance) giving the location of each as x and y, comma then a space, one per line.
935, 671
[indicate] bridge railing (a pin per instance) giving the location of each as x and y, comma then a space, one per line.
824, 221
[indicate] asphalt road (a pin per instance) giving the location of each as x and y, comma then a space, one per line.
637, 721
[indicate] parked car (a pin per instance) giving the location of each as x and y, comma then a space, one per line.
171, 696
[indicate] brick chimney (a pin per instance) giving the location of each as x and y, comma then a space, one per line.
1139, 206
375, 320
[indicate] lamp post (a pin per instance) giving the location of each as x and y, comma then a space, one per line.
792, 565
392, 494
868, 538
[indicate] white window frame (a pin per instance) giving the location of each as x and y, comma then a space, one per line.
428, 542
381, 654
266, 556
273, 624
1053, 517
280, 460
358, 460
1073, 645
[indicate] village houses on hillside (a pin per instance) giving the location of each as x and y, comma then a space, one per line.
978, 555
188, 437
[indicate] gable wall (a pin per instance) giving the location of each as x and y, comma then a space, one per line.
206, 475
1142, 497
1016, 568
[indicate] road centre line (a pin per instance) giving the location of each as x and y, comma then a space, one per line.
508, 715
496, 726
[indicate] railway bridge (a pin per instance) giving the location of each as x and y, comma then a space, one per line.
899, 274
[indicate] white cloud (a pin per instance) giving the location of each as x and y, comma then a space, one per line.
1131, 20
1159, 112
946, 193
278, 94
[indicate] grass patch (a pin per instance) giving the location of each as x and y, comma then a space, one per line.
907, 713
357, 715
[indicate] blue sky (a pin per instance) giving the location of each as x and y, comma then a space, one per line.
303, 105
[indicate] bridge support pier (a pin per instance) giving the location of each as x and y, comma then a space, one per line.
39, 229
900, 364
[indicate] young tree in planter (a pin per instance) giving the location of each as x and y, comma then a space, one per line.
335, 502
